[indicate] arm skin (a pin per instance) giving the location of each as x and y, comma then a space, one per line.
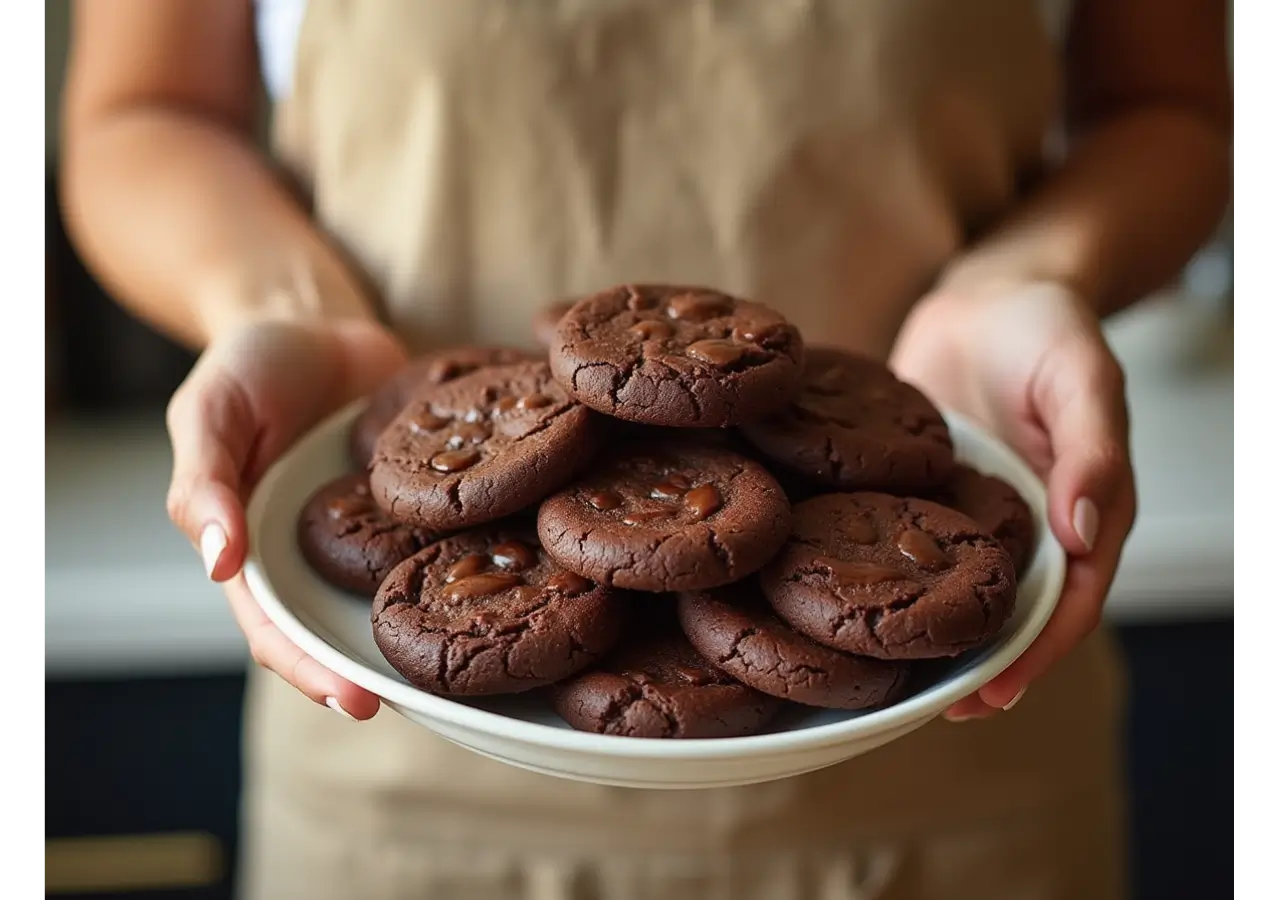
1148, 175
165, 193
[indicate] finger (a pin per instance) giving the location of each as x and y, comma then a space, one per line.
1082, 409
272, 650
969, 708
1079, 609
211, 428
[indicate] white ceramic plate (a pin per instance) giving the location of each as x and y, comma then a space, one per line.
521, 730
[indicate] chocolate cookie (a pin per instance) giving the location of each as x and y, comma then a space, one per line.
679, 356
734, 629
996, 507
349, 541
481, 447
889, 577
659, 687
854, 426
665, 516
545, 325
433, 368
488, 612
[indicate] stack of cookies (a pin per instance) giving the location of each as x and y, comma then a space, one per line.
680, 522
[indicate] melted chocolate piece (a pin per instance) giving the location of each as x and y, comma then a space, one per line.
716, 352
479, 586
454, 460
513, 556
923, 550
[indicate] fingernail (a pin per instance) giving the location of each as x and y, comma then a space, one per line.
1012, 703
212, 543
960, 718
335, 705
1085, 521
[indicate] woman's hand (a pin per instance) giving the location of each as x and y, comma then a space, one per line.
256, 389
1030, 362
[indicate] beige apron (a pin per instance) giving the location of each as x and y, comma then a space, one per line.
479, 159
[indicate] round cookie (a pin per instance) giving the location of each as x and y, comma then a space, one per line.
657, 686
433, 368
481, 447
855, 426
734, 629
666, 516
488, 612
545, 325
889, 577
684, 357
349, 541
996, 507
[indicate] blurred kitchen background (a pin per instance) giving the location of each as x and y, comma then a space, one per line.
144, 664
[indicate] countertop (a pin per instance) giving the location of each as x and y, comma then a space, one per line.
126, 595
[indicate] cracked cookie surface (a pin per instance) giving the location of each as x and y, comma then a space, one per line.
348, 541
678, 356
488, 612
666, 516
734, 629
855, 426
658, 686
891, 578
481, 447
997, 507
433, 368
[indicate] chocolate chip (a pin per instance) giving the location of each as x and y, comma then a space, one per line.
756, 332
466, 566
848, 574
504, 404
604, 500
704, 501
513, 555
671, 489
453, 460
716, 352
652, 330
698, 307
568, 583
696, 677
534, 401
468, 433
643, 516
426, 421
343, 507
920, 547
480, 586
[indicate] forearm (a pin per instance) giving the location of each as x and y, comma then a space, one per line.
1120, 218
183, 220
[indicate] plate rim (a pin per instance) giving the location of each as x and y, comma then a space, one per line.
927, 704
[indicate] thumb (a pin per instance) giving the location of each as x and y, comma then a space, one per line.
369, 356
212, 430
1079, 397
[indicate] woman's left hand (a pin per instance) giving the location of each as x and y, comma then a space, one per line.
1029, 361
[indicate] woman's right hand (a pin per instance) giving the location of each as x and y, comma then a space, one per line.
257, 388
